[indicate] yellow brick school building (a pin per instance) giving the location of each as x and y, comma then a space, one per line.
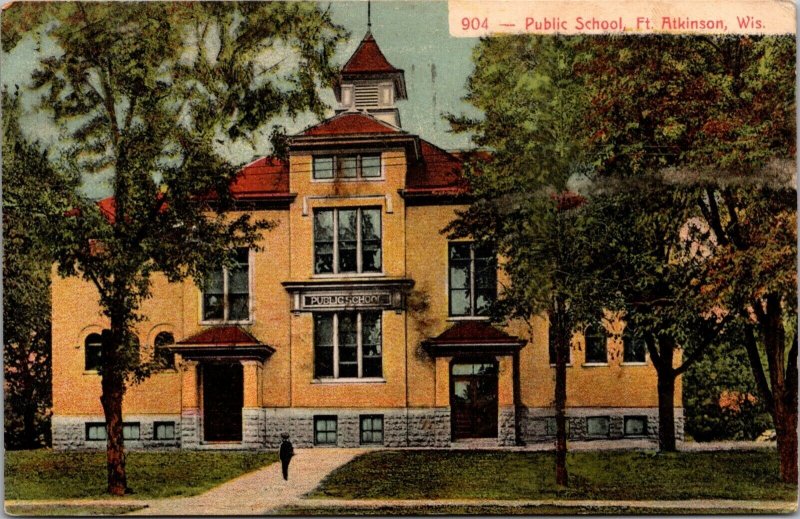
356, 323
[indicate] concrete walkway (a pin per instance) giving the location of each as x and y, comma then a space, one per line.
260, 491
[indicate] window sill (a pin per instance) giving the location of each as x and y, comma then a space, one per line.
349, 381
595, 364
225, 323
643, 363
346, 179
569, 365
345, 275
468, 318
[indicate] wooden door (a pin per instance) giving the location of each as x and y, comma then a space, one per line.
473, 400
223, 397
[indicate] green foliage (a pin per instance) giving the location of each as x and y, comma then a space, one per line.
720, 396
33, 195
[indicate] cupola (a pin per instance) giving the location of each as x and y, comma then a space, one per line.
368, 82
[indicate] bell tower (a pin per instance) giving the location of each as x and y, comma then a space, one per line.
369, 83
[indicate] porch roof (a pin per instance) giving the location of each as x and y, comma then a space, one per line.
223, 342
473, 336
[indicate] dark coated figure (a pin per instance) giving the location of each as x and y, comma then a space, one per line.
285, 454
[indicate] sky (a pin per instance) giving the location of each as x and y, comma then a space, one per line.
413, 36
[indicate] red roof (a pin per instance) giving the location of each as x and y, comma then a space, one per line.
351, 123
439, 172
222, 336
267, 177
474, 332
368, 58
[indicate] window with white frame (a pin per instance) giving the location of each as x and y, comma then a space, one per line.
633, 347
226, 292
551, 348
353, 167
93, 350
347, 240
596, 347
348, 345
472, 279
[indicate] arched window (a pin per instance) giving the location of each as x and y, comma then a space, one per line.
93, 348
596, 349
633, 347
551, 348
163, 357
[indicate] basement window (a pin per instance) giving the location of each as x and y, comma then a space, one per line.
635, 426
325, 430
95, 431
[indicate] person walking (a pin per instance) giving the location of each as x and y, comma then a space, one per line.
285, 454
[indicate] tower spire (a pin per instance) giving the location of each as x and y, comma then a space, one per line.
369, 15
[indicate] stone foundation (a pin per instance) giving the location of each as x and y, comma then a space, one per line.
413, 427
533, 422
69, 432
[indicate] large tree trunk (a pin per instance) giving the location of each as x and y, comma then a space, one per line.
662, 352
562, 354
666, 411
113, 390
783, 379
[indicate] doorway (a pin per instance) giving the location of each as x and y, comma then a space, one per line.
223, 397
473, 400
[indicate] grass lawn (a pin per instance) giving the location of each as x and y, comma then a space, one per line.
44, 474
620, 475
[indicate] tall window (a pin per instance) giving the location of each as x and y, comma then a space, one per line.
633, 347
358, 166
226, 293
347, 345
551, 349
596, 351
163, 357
93, 348
473, 279
347, 241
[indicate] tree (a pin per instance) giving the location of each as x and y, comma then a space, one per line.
533, 123
32, 195
646, 230
717, 114
150, 93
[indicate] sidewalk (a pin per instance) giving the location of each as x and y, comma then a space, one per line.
260, 491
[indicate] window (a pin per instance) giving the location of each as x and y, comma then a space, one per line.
551, 349
95, 431
325, 430
633, 347
163, 357
372, 429
473, 279
597, 426
550, 426
635, 425
347, 241
347, 345
596, 352
93, 349
226, 293
130, 431
358, 166
164, 430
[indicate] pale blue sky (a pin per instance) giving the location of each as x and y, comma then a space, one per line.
413, 35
